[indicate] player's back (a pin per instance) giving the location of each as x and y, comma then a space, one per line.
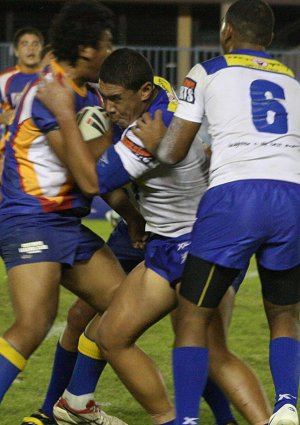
256, 131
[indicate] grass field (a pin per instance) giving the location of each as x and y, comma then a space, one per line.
248, 338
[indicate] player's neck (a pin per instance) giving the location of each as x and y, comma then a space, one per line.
28, 69
242, 45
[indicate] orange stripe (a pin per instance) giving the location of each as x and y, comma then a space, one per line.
136, 149
29, 179
82, 91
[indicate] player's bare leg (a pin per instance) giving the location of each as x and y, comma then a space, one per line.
141, 301
96, 280
233, 375
79, 315
34, 291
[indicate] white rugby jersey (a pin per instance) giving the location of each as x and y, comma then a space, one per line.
168, 196
252, 104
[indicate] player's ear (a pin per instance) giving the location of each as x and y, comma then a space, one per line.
271, 39
227, 31
85, 52
146, 90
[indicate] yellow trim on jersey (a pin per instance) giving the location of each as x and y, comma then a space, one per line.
12, 355
89, 348
206, 286
164, 84
256, 62
82, 91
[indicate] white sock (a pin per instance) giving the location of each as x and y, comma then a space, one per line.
77, 402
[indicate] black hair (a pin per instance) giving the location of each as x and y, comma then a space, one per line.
45, 50
27, 30
253, 20
126, 68
79, 23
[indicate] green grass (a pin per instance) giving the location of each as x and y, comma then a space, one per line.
248, 338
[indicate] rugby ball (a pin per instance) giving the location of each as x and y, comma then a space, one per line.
92, 121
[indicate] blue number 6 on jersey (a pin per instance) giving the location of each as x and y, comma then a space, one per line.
268, 114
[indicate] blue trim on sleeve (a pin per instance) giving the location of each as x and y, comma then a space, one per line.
111, 172
214, 65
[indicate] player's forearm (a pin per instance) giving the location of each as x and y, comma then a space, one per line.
177, 141
119, 201
79, 159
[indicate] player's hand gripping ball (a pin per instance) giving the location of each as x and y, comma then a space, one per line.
93, 121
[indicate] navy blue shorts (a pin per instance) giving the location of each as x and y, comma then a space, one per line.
45, 238
121, 245
236, 220
166, 256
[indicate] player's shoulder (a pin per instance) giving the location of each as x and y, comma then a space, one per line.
9, 71
213, 65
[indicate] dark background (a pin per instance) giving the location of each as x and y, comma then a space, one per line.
147, 25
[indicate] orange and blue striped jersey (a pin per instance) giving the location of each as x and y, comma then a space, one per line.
34, 179
12, 82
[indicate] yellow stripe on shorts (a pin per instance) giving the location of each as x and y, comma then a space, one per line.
206, 286
12, 355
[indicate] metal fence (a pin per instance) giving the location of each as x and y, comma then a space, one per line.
167, 61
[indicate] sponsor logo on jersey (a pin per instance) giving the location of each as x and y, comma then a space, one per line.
187, 90
141, 153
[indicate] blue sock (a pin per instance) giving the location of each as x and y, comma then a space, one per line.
285, 369
218, 403
64, 362
11, 364
190, 371
86, 374
8, 373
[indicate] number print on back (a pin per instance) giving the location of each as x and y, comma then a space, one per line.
268, 113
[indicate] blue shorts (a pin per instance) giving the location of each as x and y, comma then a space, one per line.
166, 256
48, 237
236, 220
121, 245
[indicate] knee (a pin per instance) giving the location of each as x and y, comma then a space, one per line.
283, 319
110, 339
30, 332
79, 316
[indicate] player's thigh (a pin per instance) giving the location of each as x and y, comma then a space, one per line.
280, 287
218, 327
142, 300
34, 288
96, 279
